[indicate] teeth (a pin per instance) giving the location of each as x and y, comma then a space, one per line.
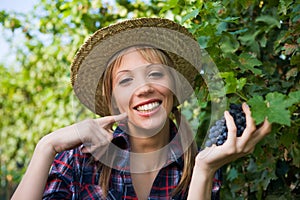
148, 107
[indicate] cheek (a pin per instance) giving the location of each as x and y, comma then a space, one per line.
121, 99
168, 95
169, 90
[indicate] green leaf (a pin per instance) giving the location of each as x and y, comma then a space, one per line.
249, 62
190, 15
259, 108
241, 83
233, 174
249, 39
252, 166
229, 43
277, 110
169, 5
295, 151
265, 179
294, 97
231, 82
274, 107
295, 59
286, 139
231, 19
284, 5
203, 40
221, 27
271, 21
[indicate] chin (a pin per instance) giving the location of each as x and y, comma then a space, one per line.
150, 126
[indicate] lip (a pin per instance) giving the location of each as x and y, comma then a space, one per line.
147, 114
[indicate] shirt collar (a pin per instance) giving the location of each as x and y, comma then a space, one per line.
121, 141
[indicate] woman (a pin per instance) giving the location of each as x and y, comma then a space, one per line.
151, 154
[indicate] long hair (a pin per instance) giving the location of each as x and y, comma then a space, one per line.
151, 54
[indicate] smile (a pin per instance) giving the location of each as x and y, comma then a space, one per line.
148, 107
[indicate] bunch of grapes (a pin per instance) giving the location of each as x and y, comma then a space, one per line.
218, 132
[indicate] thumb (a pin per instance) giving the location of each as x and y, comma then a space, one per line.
108, 120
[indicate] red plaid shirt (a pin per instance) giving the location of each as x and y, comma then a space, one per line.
73, 176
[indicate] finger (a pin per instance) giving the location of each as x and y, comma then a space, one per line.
105, 135
265, 129
109, 120
250, 123
100, 138
120, 117
231, 127
94, 150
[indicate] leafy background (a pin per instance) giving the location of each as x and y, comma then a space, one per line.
255, 45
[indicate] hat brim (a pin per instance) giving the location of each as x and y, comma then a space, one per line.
91, 60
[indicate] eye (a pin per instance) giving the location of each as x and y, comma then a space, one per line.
125, 81
156, 74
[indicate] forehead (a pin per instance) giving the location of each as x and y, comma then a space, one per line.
133, 58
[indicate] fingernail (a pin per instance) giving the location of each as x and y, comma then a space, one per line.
226, 113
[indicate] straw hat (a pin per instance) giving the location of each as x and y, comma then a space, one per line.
92, 58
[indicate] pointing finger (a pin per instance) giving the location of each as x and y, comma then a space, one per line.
120, 117
108, 120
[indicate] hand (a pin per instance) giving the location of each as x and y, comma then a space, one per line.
94, 134
212, 158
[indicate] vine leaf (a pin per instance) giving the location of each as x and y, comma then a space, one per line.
233, 174
294, 97
190, 15
277, 110
258, 108
169, 5
249, 62
269, 20
295, 151
232, 83
274, 107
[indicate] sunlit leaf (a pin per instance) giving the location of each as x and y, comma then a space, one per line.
190, 15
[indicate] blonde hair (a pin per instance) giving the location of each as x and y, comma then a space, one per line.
151, 55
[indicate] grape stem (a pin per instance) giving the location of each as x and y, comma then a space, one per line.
241, 96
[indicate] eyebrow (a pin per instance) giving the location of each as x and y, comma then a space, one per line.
147, 66
122, 71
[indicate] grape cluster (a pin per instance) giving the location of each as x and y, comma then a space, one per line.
218, 132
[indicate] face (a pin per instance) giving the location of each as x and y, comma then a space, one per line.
143, 90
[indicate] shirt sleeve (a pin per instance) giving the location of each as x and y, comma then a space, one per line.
59, 183
217, 183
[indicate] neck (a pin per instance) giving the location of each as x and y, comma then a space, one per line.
149, 144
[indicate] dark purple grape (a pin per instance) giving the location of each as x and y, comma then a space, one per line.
211, 135
208, 143
213, 140
218, 132
220, 142
225, 135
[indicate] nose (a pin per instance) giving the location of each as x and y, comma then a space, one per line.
144, 90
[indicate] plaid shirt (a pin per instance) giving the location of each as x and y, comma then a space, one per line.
74, 176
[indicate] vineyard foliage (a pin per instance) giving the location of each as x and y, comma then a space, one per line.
255, 45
